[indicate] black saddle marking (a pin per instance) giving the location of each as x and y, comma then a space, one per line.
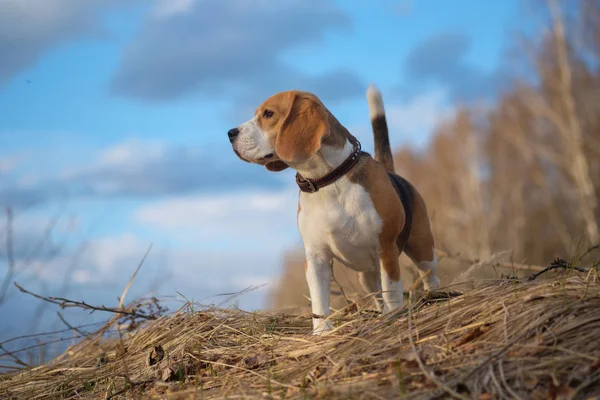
406, 193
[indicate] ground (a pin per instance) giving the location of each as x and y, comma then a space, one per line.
506, 338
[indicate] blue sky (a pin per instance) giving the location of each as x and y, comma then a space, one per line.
113, 115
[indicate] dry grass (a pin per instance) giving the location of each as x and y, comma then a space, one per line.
503, 339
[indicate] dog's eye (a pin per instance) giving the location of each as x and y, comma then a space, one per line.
267, 113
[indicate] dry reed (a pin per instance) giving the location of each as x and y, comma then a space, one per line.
506, 338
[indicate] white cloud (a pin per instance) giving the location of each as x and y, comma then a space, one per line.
110, 262
83, 277
252, 216
37, 233
116, 254
224, 243
8, 164
416, 119
156, 168
131, 153
167, 8
252, 280
202, 255
98, 262
189, 47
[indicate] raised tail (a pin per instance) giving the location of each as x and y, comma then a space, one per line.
383, 152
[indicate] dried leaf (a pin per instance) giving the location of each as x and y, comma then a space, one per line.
315, 373
101, 360
472, 334
155, 356
255, 361
411, 360
351, 308
167, 374
539, 340
560, 392
208, 359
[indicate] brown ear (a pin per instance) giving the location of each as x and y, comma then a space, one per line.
276, 166
302, 130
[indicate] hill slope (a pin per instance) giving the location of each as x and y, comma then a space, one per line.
505, 338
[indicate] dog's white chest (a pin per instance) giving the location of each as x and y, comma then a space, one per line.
340, 221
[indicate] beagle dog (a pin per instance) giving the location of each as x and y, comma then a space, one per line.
351, 207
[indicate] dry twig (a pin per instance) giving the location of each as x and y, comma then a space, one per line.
66, 303
559, 263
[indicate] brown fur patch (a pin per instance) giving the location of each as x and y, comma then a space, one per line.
419, 245
295, 123
338, 133
420, 242
373, 177
279, 105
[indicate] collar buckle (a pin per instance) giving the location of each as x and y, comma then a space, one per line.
311, 188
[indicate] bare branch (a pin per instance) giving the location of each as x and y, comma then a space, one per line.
590, 249
65, 303
38, 345
13, 356
33, 335
491, 261
71, 327
559, 263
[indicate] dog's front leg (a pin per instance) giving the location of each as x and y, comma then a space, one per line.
391, 284
318, 277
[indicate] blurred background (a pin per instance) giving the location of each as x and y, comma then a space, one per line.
113, 121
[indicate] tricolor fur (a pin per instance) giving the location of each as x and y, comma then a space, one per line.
359, 219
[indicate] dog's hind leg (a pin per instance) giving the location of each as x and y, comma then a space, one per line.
426, 262
371, 283
420, 246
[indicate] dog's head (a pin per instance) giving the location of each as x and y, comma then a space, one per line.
287, 128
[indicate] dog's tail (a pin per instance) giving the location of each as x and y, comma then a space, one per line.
383, 152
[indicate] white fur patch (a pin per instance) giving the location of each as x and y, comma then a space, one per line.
393, 293
431, 281
339, 221
318, 278
375, 102
252, 143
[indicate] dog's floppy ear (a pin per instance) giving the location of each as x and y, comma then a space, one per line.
276, 166
304, 126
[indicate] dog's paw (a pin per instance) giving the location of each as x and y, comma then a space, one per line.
431, 283
321, 327
391, 307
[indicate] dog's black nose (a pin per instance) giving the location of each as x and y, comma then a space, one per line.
233, 133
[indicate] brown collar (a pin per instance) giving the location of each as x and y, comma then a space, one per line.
313, 185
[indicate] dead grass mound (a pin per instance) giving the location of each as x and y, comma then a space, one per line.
504, 339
